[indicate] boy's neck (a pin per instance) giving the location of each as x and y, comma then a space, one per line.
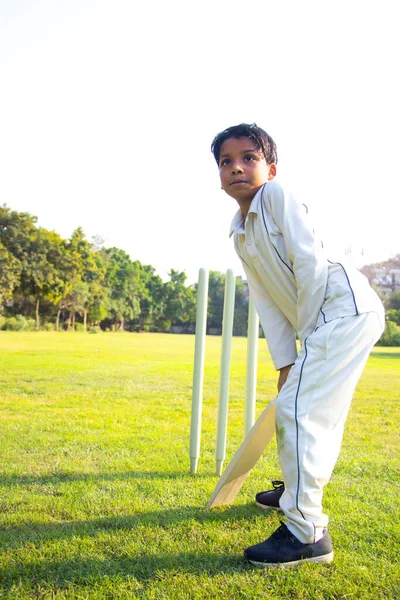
245, 210
244, 206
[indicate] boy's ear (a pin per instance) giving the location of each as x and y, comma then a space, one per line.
272, 171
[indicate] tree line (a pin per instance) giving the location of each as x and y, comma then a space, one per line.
47, 282
54, 283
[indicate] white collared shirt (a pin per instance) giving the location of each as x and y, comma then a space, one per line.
294, 286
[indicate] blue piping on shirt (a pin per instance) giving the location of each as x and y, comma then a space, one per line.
265, 224
244, 262
348, 281
297, 431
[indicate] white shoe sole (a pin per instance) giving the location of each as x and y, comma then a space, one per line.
326, 558
264, 507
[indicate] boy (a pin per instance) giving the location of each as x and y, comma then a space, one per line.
338, 319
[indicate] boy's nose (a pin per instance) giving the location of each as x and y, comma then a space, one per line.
237, 168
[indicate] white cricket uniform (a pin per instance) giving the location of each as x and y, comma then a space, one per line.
338, 318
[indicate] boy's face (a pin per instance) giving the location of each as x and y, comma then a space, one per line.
243, 169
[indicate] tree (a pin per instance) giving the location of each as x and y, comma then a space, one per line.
152, 298
10, 270
216, 297
98, 301
91, 274
76, 300
125, 286
391, 335
15, 234
16, 230
393, 315
44, 264
180, 303
240, 321
69, 274
41, 276
216, 291
393, 301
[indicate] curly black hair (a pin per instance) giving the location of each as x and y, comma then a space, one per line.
263, 141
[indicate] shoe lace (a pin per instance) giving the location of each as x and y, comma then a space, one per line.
281, 534
277, 484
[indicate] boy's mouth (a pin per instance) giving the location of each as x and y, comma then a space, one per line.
238, 182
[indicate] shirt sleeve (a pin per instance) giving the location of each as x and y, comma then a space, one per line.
306, 254
280, 335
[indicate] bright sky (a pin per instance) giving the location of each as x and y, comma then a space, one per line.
108, 109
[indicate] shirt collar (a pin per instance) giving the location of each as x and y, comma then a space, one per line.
237, 225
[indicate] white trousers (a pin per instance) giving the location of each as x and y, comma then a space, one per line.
311, 411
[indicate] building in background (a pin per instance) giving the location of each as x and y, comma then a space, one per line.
384, 276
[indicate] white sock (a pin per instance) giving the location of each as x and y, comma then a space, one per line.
318, 533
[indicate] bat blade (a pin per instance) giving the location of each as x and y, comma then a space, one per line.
245, 458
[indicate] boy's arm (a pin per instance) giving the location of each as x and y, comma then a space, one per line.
283, 375
306, 254
281, 337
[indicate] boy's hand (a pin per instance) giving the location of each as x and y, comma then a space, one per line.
283, 375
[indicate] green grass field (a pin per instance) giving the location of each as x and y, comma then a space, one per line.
96, 496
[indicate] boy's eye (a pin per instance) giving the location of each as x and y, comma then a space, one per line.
225, 161
249, 158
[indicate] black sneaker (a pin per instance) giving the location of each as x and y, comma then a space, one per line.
270, 498
283, 549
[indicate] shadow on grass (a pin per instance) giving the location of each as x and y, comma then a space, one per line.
143, 567
65, 476
18, 536
63, 574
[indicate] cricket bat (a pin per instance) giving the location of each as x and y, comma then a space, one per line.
245, 458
